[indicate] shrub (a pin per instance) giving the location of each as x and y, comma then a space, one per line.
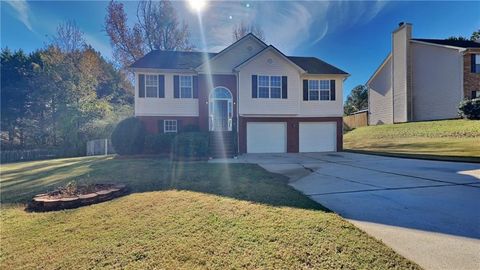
470, 109
191, 128
159, 143
191, 145
128, 137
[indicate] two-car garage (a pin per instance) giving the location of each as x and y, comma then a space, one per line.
272, 137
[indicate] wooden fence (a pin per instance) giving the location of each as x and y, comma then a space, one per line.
359, 119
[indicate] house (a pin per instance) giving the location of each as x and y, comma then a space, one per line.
273, 102
423, 79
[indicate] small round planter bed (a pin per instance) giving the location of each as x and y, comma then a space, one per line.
83, 195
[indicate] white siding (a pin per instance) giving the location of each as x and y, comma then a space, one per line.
167, 106
234, 56
322, 108
294, 104
400, 49
380, 103
437, 82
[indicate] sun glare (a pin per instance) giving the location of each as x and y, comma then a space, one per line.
197, 5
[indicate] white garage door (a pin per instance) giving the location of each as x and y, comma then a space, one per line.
265, 137
318, 137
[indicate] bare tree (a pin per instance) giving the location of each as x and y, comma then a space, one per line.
127, 43
69, 38
157, 28
242, 29
160, 26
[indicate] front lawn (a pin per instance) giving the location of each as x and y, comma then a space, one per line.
447, 139
179, 216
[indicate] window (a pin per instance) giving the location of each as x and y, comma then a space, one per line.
269, 87
169, 126
324, 90
151, 86
476, 94
263, 87
477, 63
186, 86
318, 90
275, 87
313, 90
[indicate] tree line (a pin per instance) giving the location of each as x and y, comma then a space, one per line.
61, 95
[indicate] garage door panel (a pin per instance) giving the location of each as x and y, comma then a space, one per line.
317, 136
266, 137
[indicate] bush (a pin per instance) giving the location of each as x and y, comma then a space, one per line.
470, 109
191, 145
190, 128
128, 137
159, 143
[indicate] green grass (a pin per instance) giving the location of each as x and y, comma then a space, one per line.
448, 139
179, 216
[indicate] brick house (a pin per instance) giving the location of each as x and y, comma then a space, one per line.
423, 79
250, 95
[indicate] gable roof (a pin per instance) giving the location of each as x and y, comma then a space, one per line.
178, 60
249, 35
270, 47
313, 65
454, 43
172, 60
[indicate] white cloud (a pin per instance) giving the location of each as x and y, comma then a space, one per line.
286, 24
23, 12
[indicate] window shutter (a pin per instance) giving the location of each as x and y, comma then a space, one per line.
254, 86
195, 86
332, 89
161, 86
305, 89
284, 87
473, 64
179, 125
474, 95
141, 85
176, 87
160, 126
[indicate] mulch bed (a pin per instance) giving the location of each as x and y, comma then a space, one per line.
82, 196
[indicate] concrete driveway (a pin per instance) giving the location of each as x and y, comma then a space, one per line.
427, 211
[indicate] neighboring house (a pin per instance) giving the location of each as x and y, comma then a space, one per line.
275, 103
423, 79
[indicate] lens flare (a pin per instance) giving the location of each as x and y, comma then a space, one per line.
197, 5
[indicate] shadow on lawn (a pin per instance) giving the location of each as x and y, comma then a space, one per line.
238, 181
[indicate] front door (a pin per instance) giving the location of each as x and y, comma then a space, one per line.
220, 117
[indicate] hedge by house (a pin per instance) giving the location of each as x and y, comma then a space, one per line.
159, 143
470, 109
190, 145
128, 137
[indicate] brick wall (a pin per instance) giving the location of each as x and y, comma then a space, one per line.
471, 81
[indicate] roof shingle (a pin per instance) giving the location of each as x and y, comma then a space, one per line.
190, 60
456, 43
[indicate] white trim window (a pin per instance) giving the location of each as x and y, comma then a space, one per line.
170, 126
477, 63
324, 89
475, 94
313, 90
318, 89
151, 86
269, 86
186, 86
275, 87
263, 87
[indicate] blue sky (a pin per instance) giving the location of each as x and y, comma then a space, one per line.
352, 35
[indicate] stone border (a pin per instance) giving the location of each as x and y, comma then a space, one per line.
44, 203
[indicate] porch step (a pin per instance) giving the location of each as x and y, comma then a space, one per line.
222, 145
